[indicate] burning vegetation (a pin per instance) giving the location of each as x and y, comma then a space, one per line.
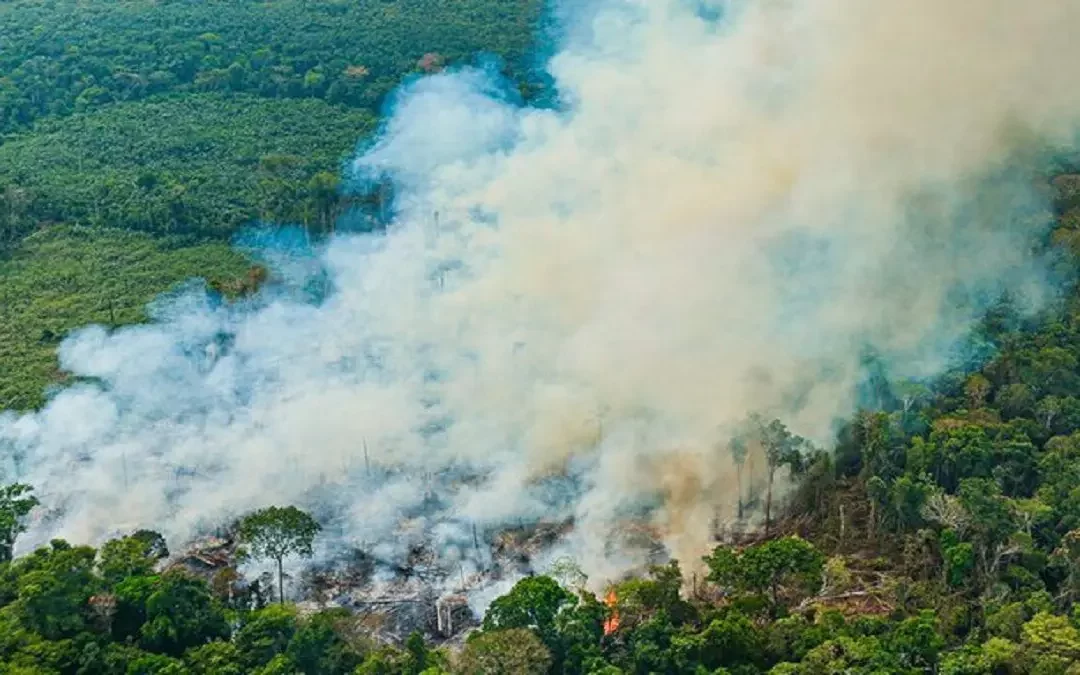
422, 590
611, 624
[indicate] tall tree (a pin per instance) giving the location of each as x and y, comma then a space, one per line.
781, 447
514, 650
277, 533
16, 502
738, 449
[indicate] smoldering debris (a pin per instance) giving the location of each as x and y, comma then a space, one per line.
206, 557
424, 589
323, 580
391, 600
516, 548
436, 594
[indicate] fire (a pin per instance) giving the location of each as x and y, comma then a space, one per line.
611, 624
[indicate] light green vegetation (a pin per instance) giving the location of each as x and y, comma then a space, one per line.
65, 277
189, 120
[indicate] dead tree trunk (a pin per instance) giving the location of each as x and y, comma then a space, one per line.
280, 583
768, 502
738, 487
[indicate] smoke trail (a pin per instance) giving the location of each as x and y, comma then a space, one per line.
573, 304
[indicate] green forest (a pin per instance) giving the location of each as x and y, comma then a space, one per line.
943, 536
188, 120
137, 137
60, 57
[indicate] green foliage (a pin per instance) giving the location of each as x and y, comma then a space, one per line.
16, 503
142, 662
67, 609
54, 586
642, 599
132, 594
417, 653
62, 278
916, 641
188, 120
196, 166
580, 630
514, 650
266, 633
534, 603
1048, 638
346, 52
789, 567
276, 533
216, 658
955, 507
728, 641
384, 661
321, 645
279, 665
958, 559
130, 556
782, 448
180, 615
996, 655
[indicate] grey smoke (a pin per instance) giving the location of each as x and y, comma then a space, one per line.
723, 216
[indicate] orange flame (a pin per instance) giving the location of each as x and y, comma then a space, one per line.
611, 624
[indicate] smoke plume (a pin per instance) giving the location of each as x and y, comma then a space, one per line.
573, 305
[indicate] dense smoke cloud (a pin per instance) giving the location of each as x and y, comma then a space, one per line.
573, 305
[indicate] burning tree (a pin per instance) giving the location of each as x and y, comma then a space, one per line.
276, 533
611, 623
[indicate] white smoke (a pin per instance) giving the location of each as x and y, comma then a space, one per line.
572, 305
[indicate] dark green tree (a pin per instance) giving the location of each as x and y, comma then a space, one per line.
515, 650
265, 634
790, 565
580, 630
54, 588
534, 603
277, 533
321, 645
728, 641
134, 555
181, 614
215, 658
